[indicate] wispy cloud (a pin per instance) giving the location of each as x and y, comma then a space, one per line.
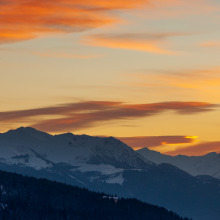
191, 79
23, 20
177, 8
155, 141
81, 115
210, 44
147, 42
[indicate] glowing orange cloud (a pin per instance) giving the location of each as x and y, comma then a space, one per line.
27, 19
197, 150
23, 20
76, 116
153, 43
155, 141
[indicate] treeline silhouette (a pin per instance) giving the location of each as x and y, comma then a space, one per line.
28, 198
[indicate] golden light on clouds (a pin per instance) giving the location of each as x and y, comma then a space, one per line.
22, 20
173, 145
149, 67
192, 137
160, 143
204, 80
151, 43
198, 149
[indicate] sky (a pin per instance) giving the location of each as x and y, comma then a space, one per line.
146, 72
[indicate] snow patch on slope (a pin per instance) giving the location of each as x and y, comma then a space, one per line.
102, 169
17, 154
116, 179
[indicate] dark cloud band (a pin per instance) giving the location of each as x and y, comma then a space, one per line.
75, 116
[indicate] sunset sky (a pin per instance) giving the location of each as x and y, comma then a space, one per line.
144, 71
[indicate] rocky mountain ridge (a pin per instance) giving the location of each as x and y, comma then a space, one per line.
208, 164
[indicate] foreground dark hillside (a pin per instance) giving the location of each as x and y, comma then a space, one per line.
25, 198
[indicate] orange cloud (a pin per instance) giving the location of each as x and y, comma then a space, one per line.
76, 116
185, 145
210, 44
155, 141
197, 150
153, 43
22, 20
194, 79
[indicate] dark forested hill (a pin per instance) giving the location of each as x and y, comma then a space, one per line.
27, 198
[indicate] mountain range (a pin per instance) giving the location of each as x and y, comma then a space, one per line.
208, 164
106, 164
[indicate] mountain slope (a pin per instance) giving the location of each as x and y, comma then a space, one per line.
108, 165
196, 165
67, 148
25, 198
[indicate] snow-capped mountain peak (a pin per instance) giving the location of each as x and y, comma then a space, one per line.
26, 132
68, 149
